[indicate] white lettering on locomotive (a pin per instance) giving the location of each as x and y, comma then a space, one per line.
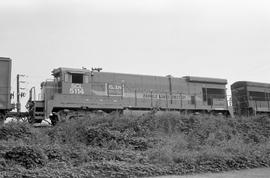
76, 89
115, 87
166, 96
115, 90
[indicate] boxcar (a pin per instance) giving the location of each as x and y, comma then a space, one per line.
5, 86
250, 98
76, 92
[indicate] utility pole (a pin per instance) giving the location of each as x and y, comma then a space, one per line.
19, 94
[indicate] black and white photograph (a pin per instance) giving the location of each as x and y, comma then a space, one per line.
134, 88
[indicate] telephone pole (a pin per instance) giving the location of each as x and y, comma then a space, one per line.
19, 94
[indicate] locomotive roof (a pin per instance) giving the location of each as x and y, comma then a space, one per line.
187, 78
5, 59
70, 70
205, 80
248, 83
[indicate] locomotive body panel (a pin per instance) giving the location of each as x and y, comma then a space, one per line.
76, 89
82, 90
5, 84
250, 97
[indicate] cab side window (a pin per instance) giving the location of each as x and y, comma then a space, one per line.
77, 78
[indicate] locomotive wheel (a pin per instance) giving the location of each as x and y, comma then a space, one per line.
65, 115
59, 116
32, 120
54, 119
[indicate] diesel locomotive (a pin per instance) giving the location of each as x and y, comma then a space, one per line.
77, 92
74, 93
250, 98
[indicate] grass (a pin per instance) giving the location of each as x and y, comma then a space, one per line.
129, 146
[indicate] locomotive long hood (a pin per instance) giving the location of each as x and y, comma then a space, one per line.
205, 80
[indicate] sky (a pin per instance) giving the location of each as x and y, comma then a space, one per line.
209, 38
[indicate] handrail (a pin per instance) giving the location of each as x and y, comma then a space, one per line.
31, 94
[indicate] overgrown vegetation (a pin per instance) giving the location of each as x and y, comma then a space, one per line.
129, 146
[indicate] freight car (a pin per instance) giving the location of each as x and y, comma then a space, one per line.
250, 98
79, 92
5, 86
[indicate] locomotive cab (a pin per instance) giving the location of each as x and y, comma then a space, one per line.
69, 90
57, 93
72, 81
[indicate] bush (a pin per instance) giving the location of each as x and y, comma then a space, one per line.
54, 153
126, 146
27, 156
16, 130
